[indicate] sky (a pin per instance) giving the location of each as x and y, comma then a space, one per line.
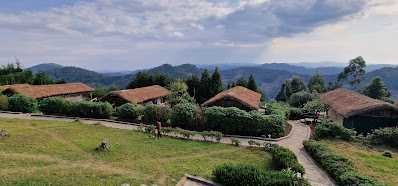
122, 35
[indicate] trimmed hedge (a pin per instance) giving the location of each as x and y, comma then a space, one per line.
283, 109
338, 167
183, 116
83, 109
154, 113
3, 102
239, 122
129, 111
22, 103
328, 129
245, 174
383, 136
283, 158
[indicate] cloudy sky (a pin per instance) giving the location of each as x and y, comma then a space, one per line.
134, 34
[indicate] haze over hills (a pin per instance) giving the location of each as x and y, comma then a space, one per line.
269, 77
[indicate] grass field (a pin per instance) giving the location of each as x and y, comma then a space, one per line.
368, 161
54, 152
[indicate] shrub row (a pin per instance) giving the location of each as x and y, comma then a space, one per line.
283, 158
22, 103
56, 105
3, 102
245, 174
338, 167
284, 109
383, 136
129, 111
154, 113
329, 129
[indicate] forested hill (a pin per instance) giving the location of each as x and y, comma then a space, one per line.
44, 67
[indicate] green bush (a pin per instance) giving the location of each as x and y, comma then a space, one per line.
183, 115
149, 128
216, 135
387, 153
338, 167
283, 158
188, 134
83, 109
329, 129
55, 105
295, 113
154, 113
283, 109
22, 103
239, 122
205, 134
383, 136
298, 99
167, 130
235, 141
129, 111
3, 102
245, 174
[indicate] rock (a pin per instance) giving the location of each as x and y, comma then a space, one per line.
3, 132
104, 146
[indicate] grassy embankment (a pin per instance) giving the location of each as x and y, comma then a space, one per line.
62, 153
368, 162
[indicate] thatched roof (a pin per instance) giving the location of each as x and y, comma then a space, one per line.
4, 87
349, 103
139, 95
243, 95
43, 91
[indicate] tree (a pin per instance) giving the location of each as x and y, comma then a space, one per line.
179, 93
375, 89
290, 87
205, 84
241, 82
252, 85
317, 83
333, 86
42, 79
353, 73
162, 79
143, 79
216, 83
297, 85
61, 81
193, 83
298, 99
315, 107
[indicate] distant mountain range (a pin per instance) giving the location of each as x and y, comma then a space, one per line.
269, 77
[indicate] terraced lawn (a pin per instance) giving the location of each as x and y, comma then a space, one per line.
368, 161
62, 153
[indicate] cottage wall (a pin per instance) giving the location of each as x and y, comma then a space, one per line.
335, 116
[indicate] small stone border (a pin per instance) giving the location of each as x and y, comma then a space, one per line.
202, 180
136, 124
9, 112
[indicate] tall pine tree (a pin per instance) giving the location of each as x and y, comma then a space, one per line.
216, 83
252, 85
205, 84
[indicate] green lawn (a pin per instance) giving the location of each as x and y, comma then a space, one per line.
54, 152
368, 161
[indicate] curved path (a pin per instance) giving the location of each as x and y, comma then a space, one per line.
295, 143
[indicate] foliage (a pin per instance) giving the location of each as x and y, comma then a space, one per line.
143, 79
188, 134
333, 85
317, 83
22, 103
216, 135
290, 87
193, 83
149, 128
383, 136
42, 79
245, 174
355, 70
283, 158
235, 121
251, 142
298, 99
14, 74
216, 83
179, 93
235, 141
61, 81
387, 153
182, 115
162, 79
3, 102
375, 89
315, 107
329, 129
282, 109
84, 109
338, 167
129, 111
204, 89
100, 92
153, 113
295, 113
141, 127
167, 130
241, 82
205, 134
252, 85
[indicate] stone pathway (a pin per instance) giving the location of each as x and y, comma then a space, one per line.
295, 143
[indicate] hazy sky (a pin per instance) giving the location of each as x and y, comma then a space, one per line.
136, 34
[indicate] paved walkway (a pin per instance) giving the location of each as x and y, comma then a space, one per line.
295, 143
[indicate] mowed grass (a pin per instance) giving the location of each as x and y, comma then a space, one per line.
369, 162
62, 153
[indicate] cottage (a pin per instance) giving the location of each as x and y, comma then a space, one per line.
147, 95
239, 97
70, 91
360, 112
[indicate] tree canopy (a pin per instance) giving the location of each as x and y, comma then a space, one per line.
317, 83
290, 87
179, 93
353, 73
375, 89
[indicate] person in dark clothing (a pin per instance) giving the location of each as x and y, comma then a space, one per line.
159, 129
